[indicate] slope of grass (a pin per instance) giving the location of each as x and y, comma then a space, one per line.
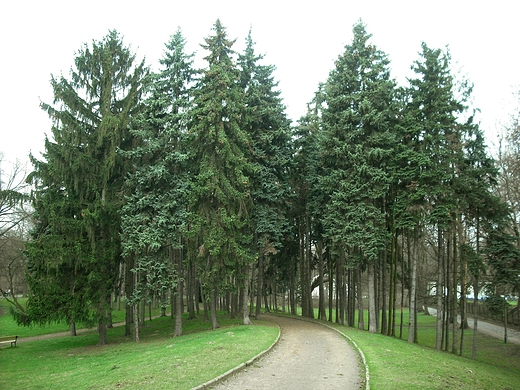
8, 326
159, 361
397, 364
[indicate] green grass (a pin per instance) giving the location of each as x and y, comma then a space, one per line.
8, 327
396, 364
159, 361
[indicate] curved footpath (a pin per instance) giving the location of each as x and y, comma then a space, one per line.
496, 331
307, 355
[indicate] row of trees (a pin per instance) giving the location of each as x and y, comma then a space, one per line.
191, 185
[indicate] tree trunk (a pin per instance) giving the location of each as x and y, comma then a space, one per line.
213, 306
331, 287
384, 313
308, 265
178, 313
259, 286
340, 293
72, 327
129, 289
361, 309
321, 305
245, 296
372, 309
102, 315
454, 283
102, 330
136, 322
412, 336
476, 288
440, 292
392, 285
408, 254
351, 301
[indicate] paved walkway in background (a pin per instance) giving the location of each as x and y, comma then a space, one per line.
513, 336
308, 356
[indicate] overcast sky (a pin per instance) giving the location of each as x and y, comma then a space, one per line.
302, 39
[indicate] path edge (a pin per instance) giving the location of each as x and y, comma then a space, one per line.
352, 342
240, 367
359, 351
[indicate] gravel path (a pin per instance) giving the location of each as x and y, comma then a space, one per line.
493, 330
308, 356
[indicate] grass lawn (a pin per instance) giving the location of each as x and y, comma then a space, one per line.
8, 326
159, 361
396, 364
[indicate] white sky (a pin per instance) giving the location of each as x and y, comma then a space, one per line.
302, 39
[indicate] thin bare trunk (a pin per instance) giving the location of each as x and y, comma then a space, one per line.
440, 292
372, 309
412, 336
136, 322
361, 309
245, 296
259, 286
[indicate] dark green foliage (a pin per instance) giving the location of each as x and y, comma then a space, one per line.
220, 167
269, 130
205, 176
155, 209
357, 145
78, 185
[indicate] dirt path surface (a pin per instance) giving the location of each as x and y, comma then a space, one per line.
308, 356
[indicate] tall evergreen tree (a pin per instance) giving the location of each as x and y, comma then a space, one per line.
154, 214
269, 130
78, 196
220, 164
356, 149
307, 195
436, 111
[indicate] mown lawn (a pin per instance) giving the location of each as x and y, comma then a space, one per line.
159, 361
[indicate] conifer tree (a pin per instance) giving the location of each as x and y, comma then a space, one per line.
154, 214
269, 130
80, 181
357, 147
436, 111
220, 202
307, 196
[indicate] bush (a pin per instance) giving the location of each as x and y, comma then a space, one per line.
495, 304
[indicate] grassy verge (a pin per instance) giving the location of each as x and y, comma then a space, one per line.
8, 326
159, 361
396, 364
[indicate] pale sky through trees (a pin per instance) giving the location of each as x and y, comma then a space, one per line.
302, 39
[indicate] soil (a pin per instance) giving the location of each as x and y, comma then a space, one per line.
308, 355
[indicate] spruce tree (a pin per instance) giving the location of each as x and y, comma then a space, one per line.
79, 184
220, 200
154, 215
435, 110
357, 146
269, 130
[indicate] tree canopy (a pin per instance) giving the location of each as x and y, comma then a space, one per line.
191, 187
